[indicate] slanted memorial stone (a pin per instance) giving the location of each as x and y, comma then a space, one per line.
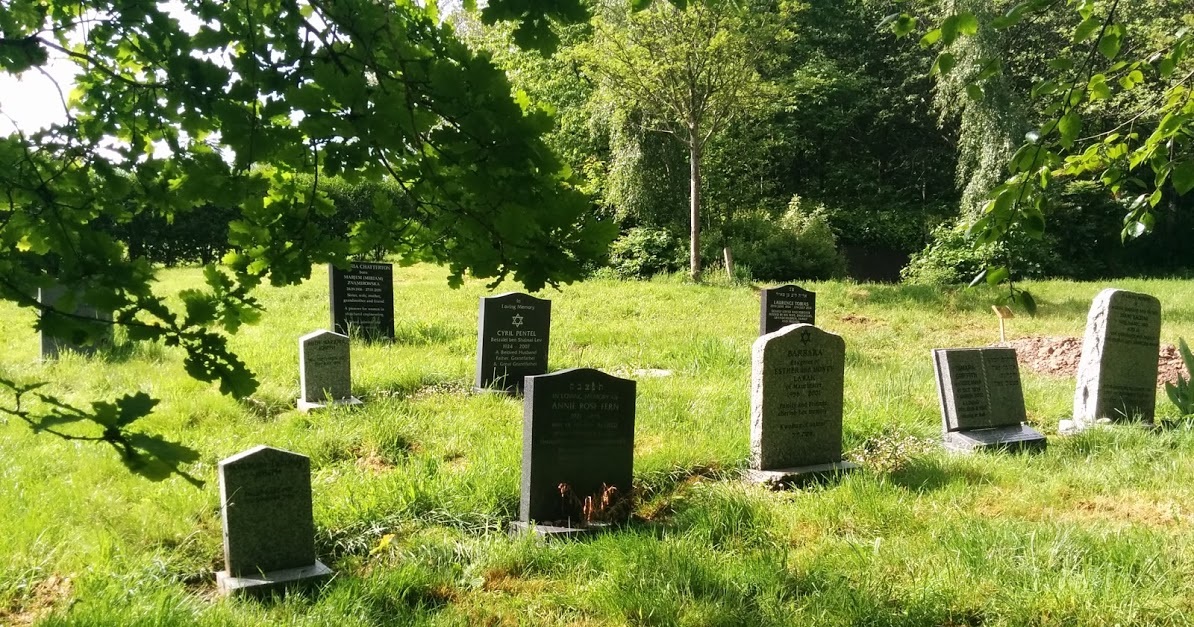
577, 451
325, 371
269, 530
1117, 375
982, 400
52, 345
362, 298
796, 400
785, 305
513, 330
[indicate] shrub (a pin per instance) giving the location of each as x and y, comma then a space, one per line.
644, 252
796, 245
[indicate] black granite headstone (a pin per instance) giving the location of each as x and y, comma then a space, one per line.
100, 330
362, 298
785, 305
577, 448
513, 330
982, 400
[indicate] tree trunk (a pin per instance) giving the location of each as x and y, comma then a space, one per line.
694, 203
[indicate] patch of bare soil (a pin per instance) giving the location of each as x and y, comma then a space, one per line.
1059, 357
38, 603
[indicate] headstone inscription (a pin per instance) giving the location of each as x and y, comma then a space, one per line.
785, 305
325, 371
52, 345
797, 384
513, 332
269, 529
982, 400
362, 298
577, 451
1117, 374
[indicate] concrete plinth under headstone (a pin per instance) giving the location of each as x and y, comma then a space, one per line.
269, 529
797, 388
100, 330
513, 334
982, 401
325, 371
1117, 375
577, 452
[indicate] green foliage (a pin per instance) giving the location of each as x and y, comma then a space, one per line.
179, 108
644, 252
1182, 393
794, 245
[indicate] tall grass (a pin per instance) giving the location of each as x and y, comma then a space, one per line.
413, 490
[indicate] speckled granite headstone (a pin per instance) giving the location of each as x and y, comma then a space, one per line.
269, 530
982, 400
325, 370
796, 404
1117, 375
52, 346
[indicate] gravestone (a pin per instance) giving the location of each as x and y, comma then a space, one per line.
785, 305
577, 451
101, 330
325, 371
982, 400
796, 400
1117, 374
362, 298
269, 530
512, 338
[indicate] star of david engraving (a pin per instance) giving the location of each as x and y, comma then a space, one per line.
806, 337
517, 320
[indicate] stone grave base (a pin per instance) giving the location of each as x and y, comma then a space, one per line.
306, 406
781, 477
556, 532
277, 580
1074, 427
1012, 438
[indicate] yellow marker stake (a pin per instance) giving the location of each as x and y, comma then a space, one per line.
1004, 312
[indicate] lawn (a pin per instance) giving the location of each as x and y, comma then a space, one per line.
413, 490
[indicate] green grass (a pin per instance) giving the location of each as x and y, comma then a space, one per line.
1096, 531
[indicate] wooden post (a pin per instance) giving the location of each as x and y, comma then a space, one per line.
1003, 312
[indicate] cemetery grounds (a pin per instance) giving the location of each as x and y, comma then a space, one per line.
413, 490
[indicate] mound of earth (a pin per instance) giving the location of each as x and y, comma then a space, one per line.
1059, 356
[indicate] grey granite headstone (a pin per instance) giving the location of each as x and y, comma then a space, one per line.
797, 384
269, 529
325, 371
1117, 375
362, 299
785, 305
982, 400
577, 450
99, 331
513, 333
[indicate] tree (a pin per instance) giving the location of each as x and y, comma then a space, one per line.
688, 71
200, 103
1141, 153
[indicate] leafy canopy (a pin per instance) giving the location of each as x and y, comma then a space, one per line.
194, 103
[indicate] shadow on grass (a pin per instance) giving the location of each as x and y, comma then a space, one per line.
927, 475
427, 333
